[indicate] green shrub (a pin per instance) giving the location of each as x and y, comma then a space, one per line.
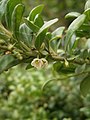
21, 97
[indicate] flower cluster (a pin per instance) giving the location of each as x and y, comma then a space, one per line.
39, 63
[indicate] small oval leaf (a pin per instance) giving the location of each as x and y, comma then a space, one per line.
16, 19
77, 22
55, 40
31, 25
6, 62
9, 10
35, 11
73, 27
87, 5
3, 4
72, 15
38, 20
42, 32
25, 34
87, 13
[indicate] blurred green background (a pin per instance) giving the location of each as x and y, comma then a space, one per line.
21, 97
56, 8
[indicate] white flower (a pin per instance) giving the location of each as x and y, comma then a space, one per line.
39, 63
45, 62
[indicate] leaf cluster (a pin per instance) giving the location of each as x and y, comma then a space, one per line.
23, 39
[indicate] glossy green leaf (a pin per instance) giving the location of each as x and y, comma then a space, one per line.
84, 54
73, 27
47, 39
58, 32
69, 35
85, 86
25, 34
3, 4
75, 44
47, 25
87, 45
6, 61
9, 10
49, 35
80, 68
85, 27
60, 67
87, 5
38, 20
35, 11
72, 15
87, 13
42, 32
40, 39
83, 31
16, 19
68, 70
56, 35
31, 25
77, 22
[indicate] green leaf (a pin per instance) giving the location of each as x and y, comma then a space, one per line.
87, 45
58, 32
83, 31
49, 35
9, 10
2, 8
72, 41
75, 44
6, 61
16, 19
85, 86
77, 22
38, 20
72, 15
40, 39
69, 35
56, 35
3, 36
47, 39
31, 25
25, 34
85, 27
35, 11
47, 25
84, 54
42, 32
80, 68
73, 27
87, 13
87, 5
60, 67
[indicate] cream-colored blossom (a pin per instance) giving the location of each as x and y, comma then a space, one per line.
39, 63
45, 62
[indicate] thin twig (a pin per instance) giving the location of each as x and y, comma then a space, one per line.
64, 78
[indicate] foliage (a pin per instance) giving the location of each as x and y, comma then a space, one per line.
21, 97
26, 39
